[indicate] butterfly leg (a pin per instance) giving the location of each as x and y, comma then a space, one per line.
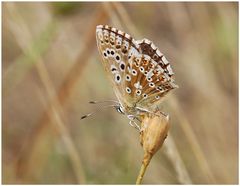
158, 109
133, 123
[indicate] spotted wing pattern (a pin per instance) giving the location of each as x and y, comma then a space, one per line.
139, 72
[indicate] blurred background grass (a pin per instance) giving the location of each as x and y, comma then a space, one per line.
51, 69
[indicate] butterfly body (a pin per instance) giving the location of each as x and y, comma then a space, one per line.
140, 74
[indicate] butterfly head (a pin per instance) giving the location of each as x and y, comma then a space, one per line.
131, 111
119, 109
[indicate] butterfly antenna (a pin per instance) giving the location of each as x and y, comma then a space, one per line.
106, 101
99, 109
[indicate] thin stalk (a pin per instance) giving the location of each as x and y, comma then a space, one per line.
55, 114
62, 96
176, 159
146, 160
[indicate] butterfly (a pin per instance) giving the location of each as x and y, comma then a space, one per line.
139, 73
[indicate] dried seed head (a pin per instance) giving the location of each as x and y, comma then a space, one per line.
153, 132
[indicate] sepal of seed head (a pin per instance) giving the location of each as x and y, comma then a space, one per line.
153, 132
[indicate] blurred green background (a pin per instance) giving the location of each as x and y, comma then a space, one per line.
51, 69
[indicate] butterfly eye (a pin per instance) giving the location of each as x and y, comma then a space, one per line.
120, 110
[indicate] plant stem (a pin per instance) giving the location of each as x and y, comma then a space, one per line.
146, 160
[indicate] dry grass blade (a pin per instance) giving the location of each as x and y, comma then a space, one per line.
17, 71
173, 154
122, 13
192, 139
56, 117
55, 114
62, 94
174, 103
110, 11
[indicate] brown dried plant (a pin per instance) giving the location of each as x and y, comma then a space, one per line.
154, 130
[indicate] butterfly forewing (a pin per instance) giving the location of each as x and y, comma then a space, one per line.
117, 49
139, 72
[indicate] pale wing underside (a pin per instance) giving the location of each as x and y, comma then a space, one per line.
139, 73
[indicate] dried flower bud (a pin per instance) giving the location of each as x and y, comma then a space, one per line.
153, 132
